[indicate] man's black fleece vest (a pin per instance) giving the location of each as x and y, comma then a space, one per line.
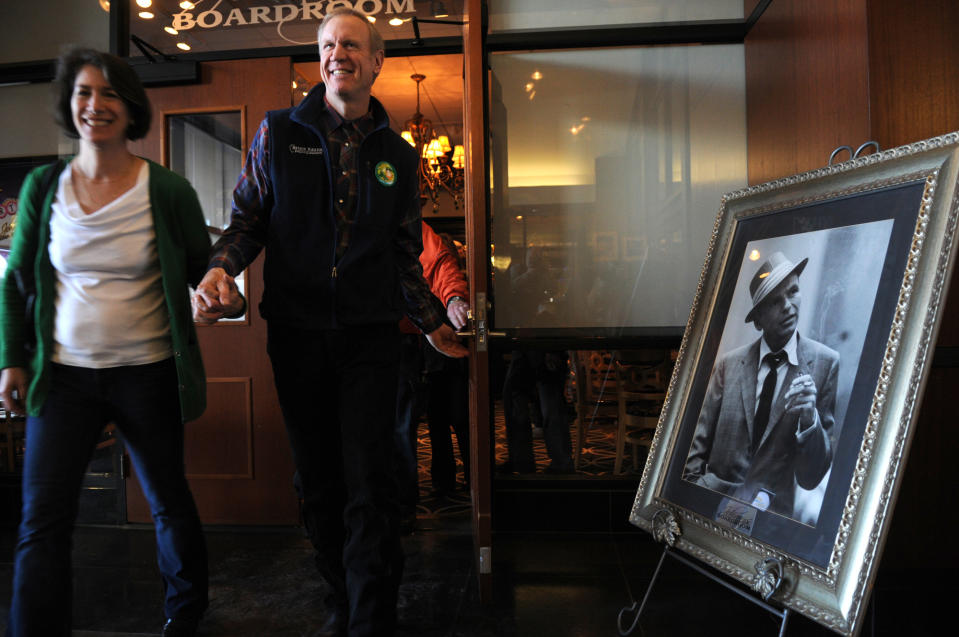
302, 288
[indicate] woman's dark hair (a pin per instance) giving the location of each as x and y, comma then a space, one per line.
120, 76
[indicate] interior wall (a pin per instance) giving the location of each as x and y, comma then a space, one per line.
38, 30
913, 62
807, 85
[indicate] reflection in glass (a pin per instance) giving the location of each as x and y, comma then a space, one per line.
578, 412
523, 15
608, 167
206, 148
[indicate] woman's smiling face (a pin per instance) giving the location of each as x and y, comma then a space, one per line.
99, 114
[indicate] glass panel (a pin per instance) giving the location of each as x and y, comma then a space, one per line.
173, 26
608, 166
585, 412
206, 148
525, 15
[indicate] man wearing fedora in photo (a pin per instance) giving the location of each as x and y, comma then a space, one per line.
767, 416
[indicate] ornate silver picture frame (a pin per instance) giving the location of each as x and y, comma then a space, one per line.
851, 263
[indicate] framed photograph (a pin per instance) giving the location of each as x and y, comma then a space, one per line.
793, 399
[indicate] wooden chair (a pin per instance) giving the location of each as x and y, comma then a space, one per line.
595, 394
641, 378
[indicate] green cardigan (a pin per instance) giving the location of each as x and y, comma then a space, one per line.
183, 246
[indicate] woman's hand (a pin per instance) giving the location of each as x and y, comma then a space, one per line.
13, 389
216, 296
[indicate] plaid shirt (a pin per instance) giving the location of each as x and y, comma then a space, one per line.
253, 201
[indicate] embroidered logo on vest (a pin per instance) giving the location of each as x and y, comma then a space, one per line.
385, 173
305, 150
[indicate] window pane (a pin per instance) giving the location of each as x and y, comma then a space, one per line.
524, 15
608, 166
206, 149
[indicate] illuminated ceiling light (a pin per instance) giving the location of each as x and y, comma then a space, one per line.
754, 255
574, 130
459, 157
170, 30
519, 217
438, 171
532, 95
585, 119
187, 5
105, 5
371, 18
529, 86
395, 22
144, 3
183, 46
305, 93
146, 15
537, 75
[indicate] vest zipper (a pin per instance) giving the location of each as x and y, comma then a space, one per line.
334, 272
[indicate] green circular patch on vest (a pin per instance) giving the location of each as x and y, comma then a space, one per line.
385, 173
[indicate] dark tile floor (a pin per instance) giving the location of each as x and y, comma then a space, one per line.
263, 583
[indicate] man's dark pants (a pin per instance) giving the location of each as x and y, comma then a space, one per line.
337, 390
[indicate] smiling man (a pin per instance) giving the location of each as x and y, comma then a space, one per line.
767, 416
333, 195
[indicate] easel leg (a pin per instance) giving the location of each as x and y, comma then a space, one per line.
632, 608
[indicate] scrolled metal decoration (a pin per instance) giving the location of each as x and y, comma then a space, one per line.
665, 527
769, 577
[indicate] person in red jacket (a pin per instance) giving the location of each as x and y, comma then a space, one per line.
442, 272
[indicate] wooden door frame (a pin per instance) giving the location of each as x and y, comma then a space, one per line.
476, 194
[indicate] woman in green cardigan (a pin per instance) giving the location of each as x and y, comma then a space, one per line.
105, 247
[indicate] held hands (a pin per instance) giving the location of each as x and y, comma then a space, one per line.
13, 389
457, 312
216, 296
444, 340
801, 399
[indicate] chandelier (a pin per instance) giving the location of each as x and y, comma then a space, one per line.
441, 166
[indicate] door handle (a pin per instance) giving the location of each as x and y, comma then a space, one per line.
476, 325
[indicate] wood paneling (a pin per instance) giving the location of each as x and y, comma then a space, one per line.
243, 422
913, 69
807, 85
227, 426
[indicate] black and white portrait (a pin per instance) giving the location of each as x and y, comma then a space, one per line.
778, 391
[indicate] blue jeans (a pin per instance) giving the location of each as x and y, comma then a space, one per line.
143, 402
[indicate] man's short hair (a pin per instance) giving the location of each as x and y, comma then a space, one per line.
376, 40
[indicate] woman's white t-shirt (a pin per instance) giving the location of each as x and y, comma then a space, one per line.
110, 306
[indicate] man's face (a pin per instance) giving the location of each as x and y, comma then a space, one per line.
778, 313
348, 66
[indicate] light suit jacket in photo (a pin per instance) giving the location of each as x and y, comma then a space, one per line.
720, 457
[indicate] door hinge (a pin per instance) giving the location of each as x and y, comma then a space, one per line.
485, 561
